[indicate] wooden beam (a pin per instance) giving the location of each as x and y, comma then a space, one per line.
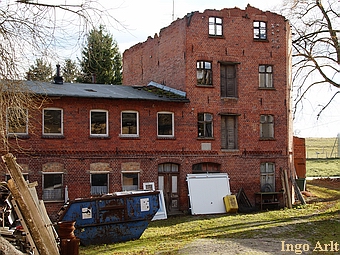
29, 209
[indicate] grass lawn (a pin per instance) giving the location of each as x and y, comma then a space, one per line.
318, 221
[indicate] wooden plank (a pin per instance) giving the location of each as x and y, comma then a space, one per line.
29, 209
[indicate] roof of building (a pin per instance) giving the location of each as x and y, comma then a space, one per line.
153, 91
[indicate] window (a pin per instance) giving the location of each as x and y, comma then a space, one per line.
260, 30
206, 167
99, 183
99, 123
53, 124
265, 76
130, 181
205, 125
52, 186
229, 132
168, 168
204, 73
17, 120
215, 26
165, 123
266, 126
228, 81
129, 124
267, 177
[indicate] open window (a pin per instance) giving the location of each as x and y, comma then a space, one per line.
205, 125
53, 121
165, 124
17, 120
215, 26
266, 76
99, 183
129, 123
260, 30
204, 73
98, 123
266, 126
52, 186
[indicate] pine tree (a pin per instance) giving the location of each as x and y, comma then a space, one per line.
70, 71
101, 60
41, 71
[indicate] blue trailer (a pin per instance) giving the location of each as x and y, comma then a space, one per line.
117, 217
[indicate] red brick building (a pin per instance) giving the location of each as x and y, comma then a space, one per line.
223, 106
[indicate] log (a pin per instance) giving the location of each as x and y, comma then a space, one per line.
29, 209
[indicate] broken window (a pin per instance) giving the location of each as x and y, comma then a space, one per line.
267, 177
130, 181
17, 120
165, 123
228, 81
206, 167
204, 73
99, 122
266, 126
53, 186
129, 124
53, 124
99, 183
265, 76
229, 132
260, 30
215, 26
205, 125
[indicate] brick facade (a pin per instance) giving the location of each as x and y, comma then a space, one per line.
170, 58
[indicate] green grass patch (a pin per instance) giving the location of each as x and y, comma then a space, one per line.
316, 221
322, 167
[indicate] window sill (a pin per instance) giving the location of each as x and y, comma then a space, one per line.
166, 138
18, 136
54, 201
229, 98
52, 136
230, 150
217, 36
129, 136
204, 86
267, 88
260, 40
267, 139
99, 137
205, 138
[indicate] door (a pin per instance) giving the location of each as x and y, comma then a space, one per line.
168, 182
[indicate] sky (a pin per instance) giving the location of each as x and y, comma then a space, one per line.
140, 19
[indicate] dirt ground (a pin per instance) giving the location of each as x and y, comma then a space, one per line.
241, 247
254, 246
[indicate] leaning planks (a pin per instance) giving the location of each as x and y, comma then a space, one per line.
46, 245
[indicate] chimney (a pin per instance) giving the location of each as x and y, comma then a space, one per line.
58, 79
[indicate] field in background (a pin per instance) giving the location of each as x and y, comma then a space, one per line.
322, 157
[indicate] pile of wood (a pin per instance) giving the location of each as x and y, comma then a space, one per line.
31, 212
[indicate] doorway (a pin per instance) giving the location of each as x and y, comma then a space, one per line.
168, 182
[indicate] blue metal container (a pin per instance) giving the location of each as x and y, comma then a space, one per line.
112, 218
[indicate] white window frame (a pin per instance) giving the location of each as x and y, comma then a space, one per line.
131, 186
260, 30
215, 26
8, 122
61, 121
107, 123
172, 123
61, 188
93, 192
137, 124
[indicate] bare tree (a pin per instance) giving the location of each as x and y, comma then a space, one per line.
38, 29
316, 50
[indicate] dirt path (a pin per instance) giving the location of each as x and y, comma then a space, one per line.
243, 246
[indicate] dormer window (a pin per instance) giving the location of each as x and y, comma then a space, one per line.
215, 26
260, 30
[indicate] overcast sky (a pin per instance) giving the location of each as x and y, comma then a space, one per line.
145, 18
